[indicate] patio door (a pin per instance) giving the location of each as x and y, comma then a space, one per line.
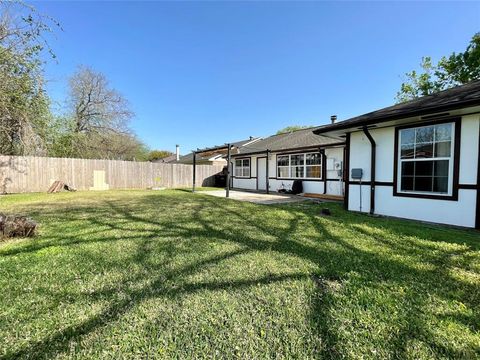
261, 173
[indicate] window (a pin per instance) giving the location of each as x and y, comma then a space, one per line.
426, 159
299, 166
242, 167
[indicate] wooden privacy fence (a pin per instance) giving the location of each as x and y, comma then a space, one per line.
19, 174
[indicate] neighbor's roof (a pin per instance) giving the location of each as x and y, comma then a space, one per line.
189, 158
303, 138
209, 152
166, 159
450, 99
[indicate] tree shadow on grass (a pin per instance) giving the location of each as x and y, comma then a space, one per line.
370, 253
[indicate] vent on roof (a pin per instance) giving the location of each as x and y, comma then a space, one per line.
333, 119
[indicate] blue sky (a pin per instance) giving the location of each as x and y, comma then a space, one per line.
205, 73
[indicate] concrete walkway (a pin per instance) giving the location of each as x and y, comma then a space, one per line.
257, 198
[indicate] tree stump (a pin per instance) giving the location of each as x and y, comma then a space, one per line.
16, 226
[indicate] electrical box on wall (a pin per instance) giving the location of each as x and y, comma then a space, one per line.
357, 174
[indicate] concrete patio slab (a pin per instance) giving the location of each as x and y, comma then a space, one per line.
256, 198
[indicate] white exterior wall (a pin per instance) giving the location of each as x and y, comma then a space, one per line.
461, 212
309, 186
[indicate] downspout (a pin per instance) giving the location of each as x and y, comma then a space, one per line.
267, 183
372, 169
324, 170
477, 211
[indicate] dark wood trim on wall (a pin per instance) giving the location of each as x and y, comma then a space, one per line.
346, 169
477, 211
377, 183
468, 186
457, 121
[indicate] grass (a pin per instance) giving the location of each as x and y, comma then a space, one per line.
170, 274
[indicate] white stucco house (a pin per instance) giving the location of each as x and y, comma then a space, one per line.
273, 163
419, 160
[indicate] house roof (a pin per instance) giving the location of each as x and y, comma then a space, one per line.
166, 159
207, 154
303, 138
189, 158
446, 100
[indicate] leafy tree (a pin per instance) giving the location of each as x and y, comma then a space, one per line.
24, 104
291, 128
158, 154
456, 69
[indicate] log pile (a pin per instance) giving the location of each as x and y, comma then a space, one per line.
59, 186
16, 226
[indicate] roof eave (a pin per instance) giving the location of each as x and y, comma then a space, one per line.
344, 125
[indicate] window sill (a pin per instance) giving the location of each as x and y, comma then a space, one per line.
453, 197
305, 179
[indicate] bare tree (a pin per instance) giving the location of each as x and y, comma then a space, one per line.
100, 117
96, 107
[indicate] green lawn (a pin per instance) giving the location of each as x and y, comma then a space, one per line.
171, 274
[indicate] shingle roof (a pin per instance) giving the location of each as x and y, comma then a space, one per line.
208, 151
189, 158
296, 139
450, 99
166, 159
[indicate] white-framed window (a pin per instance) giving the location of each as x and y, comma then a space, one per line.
242, 167
425, 159
299, 166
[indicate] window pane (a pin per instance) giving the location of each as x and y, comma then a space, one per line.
407, 151
314, 171
441, 168
443, 132
408, 168
422, 172
282, 160
297, 159
297, 171
423, 168
238, 171
424, 134
442, 149
408, 136
246, 171
423, 183
313, 159
246, 162
238, 162
407, 183
424, 151
282, 172
440, 184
